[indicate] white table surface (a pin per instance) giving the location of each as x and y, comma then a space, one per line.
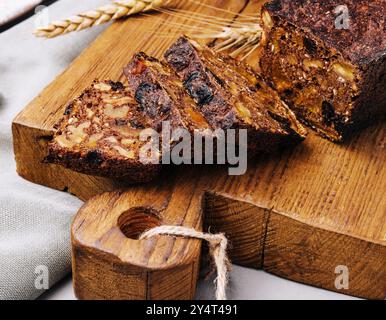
245, 284
38, 61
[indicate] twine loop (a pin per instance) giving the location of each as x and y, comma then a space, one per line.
218, 244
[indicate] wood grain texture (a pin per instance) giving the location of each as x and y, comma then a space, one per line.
297, 214
109, 262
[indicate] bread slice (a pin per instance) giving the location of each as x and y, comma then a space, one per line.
157, 90
156, 87
99, 134
229, 94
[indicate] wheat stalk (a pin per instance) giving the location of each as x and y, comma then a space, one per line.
237, 41
239, 38
113, 11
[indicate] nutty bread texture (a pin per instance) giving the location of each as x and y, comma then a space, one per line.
334, 79
229, 94
196, 89
99, 134
158, 90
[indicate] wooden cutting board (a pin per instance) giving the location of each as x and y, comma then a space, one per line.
300, 214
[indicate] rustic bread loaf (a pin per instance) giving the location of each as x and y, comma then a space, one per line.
99, 134
230, 95
331, 72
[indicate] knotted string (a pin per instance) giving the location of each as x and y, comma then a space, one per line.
217, 243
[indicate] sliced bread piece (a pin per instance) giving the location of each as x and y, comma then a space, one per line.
230, 95
157, 90
99, 134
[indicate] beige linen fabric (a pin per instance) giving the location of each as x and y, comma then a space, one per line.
34, 220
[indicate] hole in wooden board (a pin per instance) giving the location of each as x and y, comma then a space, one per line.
136, 221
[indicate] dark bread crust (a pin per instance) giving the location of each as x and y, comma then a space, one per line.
99, 135
230, 94
305, 30
361, 44
102, 165
202, 85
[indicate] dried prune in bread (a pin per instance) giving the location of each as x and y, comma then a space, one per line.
157, 88
229, 94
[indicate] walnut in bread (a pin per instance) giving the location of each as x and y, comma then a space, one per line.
99, 134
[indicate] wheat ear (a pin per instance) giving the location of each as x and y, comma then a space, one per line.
113, 11
239, 38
